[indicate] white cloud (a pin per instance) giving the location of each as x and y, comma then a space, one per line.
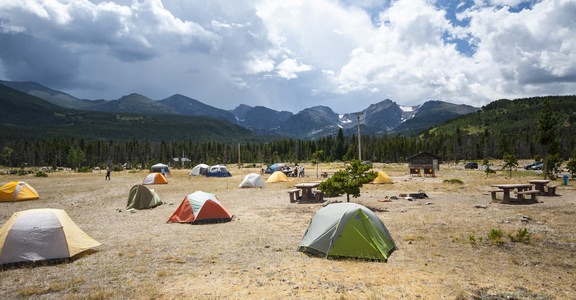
291, 54
289, 68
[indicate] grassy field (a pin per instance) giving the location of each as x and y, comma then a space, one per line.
456, 244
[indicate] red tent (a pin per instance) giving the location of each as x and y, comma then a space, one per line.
200, 207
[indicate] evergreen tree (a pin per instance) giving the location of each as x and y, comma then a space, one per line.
349, 180
547, 133
510, 163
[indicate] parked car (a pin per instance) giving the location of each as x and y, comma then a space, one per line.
537, 165
471, 165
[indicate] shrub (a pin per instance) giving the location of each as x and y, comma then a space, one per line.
454, 181
41, 174
495, 236
521, 236
472, 240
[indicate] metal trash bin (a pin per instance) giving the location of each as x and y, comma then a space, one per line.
565, 179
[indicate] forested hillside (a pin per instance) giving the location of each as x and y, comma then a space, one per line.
503, 126
27, 118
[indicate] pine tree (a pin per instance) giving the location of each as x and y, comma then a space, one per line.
349, 180
547, 133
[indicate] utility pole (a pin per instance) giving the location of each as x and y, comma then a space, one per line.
359, 147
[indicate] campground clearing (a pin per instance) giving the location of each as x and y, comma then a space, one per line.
455, 244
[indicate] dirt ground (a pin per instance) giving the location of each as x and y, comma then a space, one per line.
444, 251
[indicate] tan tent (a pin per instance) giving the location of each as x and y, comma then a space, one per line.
141, 197
382, 178
41, 234
17, 191
277, 177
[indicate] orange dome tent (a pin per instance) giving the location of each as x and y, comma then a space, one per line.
155, 178
200, 207
17, 191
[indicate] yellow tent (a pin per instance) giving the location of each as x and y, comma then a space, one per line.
382, 178
17, 191
277, 177
41, 234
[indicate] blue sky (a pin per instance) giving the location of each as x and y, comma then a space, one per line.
294, 54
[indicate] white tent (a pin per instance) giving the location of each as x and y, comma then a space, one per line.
201, 169
252, 180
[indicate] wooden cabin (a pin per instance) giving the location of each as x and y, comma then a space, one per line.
423, 163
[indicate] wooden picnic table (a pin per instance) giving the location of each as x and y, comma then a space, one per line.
508, 187
540, 185
306, 187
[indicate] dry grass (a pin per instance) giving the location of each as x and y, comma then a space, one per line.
444, 249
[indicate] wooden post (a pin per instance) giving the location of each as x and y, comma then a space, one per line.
359, 147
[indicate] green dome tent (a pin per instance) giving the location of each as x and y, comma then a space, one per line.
347, 230
141, 197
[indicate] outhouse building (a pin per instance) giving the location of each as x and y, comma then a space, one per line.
423, 163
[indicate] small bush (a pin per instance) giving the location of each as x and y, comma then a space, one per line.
453, 181
472, 240
495, 236
41, 174
84, 170
521, 236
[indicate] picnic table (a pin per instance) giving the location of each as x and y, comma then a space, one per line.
307, 193
506, 188
540, 185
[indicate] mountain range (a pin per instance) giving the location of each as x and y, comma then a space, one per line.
384, 117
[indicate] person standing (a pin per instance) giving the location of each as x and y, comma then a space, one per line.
107, 174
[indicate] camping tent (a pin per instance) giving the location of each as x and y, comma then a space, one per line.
160, 168
382, 178
347, 230
271, 169
155, 178
141, 197
277, 177
200, 207
252, 180
17, 191
41, 234
201, 169
218, 171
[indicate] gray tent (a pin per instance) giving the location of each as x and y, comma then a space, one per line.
142, 198
347, 230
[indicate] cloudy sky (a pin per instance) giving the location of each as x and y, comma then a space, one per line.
293, 54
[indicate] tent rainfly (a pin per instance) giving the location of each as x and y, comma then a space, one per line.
218, 171
141, 197
200, 207
382, 178
41, 234
277, 177
17, 191
347, 230
201, 169
272, 168
155, 178
252, 180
